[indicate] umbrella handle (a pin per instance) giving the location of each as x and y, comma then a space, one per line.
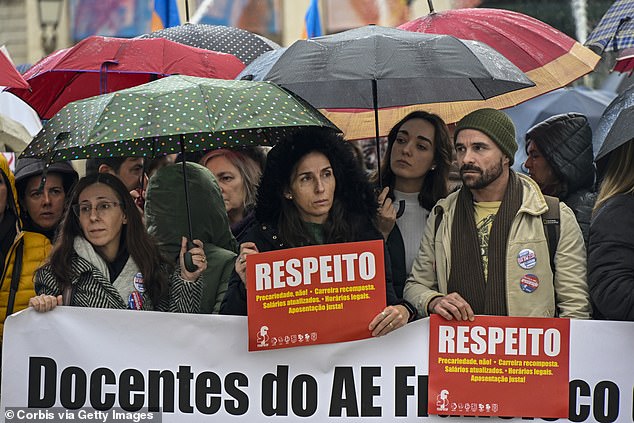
188, 259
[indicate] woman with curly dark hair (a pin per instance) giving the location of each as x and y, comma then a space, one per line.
414, 176
313, 192
104, 258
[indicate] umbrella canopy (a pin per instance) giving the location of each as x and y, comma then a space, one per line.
607, 122
591, 103
99, 65
625, 60
13, 135
15, 108
170, 114
615, 30
550, 58
245, 45
174, 114
9, 75
375, 67
622, 131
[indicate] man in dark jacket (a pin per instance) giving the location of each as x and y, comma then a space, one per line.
560, 160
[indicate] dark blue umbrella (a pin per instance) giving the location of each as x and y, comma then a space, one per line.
589, 102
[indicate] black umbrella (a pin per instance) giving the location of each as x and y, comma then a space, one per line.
621, 132
607, 122
243, 44
375, 67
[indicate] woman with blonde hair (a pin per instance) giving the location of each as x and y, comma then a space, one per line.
611, 241
238, 174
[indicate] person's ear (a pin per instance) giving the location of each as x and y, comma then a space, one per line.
104, 168
288, 195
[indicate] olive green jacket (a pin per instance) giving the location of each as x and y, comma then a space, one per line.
166, 220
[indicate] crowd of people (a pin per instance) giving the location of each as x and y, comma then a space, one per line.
116, 239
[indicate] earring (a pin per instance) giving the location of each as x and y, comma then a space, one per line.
289, 196
433, 167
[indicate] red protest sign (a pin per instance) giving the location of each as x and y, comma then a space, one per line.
314, 295
499, 366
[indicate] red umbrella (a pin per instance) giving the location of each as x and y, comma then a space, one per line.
99, 65
550, 58
625, 60
547, 56
9, 75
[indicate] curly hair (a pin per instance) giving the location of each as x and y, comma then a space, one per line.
435, 184
141, 247
354, 205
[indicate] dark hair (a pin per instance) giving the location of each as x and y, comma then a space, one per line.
141, 247
435, 185
354, 206
92, 165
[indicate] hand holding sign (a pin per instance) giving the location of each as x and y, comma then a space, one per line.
392, 318
451, 306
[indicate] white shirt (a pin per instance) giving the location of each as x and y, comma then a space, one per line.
411, 224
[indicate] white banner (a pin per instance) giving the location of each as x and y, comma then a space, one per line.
195, 366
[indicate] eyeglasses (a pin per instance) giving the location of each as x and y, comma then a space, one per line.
85, 210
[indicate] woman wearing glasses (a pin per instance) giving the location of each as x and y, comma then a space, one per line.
104, 258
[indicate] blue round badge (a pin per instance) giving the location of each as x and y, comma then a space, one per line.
529, 283
527, 258
138, 282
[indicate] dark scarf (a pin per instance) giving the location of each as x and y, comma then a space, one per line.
467, 274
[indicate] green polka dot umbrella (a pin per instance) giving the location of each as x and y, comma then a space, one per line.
173, 114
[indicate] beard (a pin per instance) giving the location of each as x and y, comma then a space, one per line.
486, 176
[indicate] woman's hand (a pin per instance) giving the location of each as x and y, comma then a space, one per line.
43, 303
386, 216
246, 248
392, 318
198, 257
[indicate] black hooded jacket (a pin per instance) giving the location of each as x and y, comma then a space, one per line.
565, 141
353, 192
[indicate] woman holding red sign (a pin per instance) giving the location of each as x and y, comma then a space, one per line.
314, 192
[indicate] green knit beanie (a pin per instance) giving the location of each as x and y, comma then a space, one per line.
496, 125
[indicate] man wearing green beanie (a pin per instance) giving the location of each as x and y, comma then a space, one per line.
484, 250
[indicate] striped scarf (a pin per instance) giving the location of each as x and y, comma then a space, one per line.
467, 274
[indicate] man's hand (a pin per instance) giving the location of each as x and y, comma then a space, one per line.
451, 306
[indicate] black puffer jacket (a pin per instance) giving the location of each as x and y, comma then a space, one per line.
611, 259
565, 141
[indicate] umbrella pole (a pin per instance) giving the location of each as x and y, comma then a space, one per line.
375, 103
189, 263
189, 215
